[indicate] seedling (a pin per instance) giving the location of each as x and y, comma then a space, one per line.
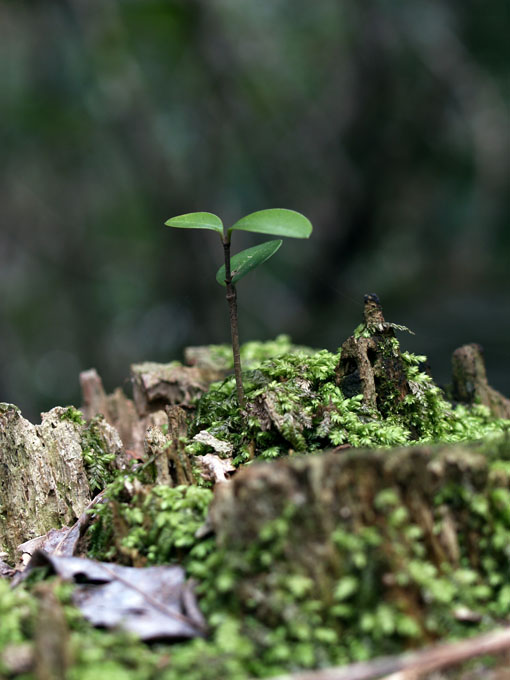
277, 222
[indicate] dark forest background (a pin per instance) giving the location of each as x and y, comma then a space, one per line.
385, 122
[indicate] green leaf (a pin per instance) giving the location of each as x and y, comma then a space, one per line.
198, 220
277, 221
248, 259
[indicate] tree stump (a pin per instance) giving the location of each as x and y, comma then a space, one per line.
403, 534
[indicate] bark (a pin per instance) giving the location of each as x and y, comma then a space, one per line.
171, 463
43, 483
157, 385
470, 384
371, 364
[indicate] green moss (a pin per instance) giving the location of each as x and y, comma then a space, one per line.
384, 588
295, 405
376, 590
99, 462
156, 525
255, 352
74, 415
95, 653
16, 614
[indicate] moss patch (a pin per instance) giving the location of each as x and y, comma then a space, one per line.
98, 459
140, 525
295, 405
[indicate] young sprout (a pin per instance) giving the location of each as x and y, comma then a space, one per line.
277, 222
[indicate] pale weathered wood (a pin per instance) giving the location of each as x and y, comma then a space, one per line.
118, 410
43, 483
157, 385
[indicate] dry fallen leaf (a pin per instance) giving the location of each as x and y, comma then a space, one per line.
152, 602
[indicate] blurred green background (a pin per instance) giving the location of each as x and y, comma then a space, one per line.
385, 122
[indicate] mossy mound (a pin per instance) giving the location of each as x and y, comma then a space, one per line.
293, 404
369, 394
337, 558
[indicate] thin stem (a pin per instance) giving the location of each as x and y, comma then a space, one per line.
234, 329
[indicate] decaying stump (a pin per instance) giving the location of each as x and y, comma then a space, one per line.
331, 490
171, 463
155, 387
142, 433
371, 363
389, 525
117, 409
43, 484
470, 384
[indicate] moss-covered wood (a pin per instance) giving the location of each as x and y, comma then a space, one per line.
371, 363
379, 550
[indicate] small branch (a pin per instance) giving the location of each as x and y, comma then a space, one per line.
234, 328
411, 666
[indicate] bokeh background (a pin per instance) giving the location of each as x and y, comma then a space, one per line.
385, 122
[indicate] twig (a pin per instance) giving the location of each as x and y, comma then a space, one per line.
411, 666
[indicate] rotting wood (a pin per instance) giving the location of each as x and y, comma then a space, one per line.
171, 462
118, 410
312, 498
334, 489
371, 364
470, 384
157, 385
43, 483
